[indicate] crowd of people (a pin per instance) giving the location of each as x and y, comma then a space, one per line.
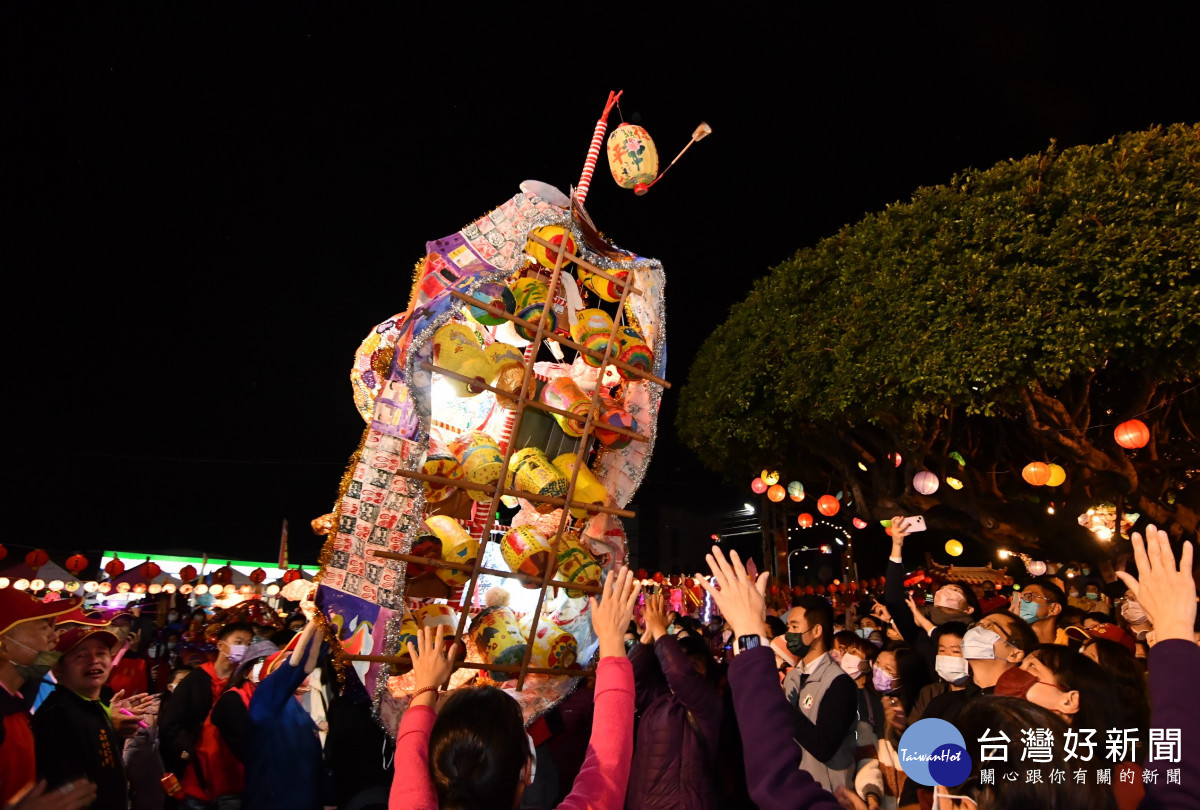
772, 706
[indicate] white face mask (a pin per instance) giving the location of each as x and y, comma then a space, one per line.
952, 668
979, 644
851, 664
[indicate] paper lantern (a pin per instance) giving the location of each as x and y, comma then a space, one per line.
440, 461
592, 328
153, 589
565, 394
272, 589
76, 563
493, 294
36, 559
530, 471
828, 505
776, 493
531, 296
759, 486
805, 520
114, 567
37, 585
604, 289
632, 156
1132, 434
457, 546
1036, 568
508, 367
3, 551
481, 460
954, 548
258, 576
925, 482
635, 351
1057, 476
187, 573
859, 523
21, 585
1036, 473
526, 551
456, 348
498, 636
223, 575
201, 589
553, 647
613, 414
795, 491
576, 565
167, 588
151, 569
555, 235
588, 488
291, 575
771, 477
953, 483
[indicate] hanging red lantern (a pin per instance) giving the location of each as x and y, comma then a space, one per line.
821, 590
114, 567
37, 558
1132, 434
223, 575
291, 575
805, 520
187, 573
642, 573
776, 493
151, 569
1036, 473
828, 505
658, 577
809, 589
689, 583
76, 563
258, 576
3, 551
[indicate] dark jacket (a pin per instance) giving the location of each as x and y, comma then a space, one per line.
678, 730
284, 768
772, 754
182, 718
74, 737
1173, 667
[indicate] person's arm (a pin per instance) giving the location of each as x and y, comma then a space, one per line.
411, 786
835, 717
60, 747
647, 677
178, 729
232, 719
691, 688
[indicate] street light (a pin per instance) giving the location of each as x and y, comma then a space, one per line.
789, 565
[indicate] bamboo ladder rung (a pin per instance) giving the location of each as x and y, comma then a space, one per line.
509, 668
496, 572
591, 268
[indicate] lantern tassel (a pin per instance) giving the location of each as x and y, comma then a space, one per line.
700, 133
589, 165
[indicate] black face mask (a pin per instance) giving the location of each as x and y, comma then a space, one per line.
796, 645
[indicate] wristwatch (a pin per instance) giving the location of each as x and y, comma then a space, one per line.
747, 643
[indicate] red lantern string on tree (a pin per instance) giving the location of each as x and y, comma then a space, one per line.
76, 563
828, 505
114, 567
151, 569
37, 558
805, 520
187, 573
258, 576
1132, 434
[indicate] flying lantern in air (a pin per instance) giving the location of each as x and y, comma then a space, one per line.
925, 482
1036, 473
805, 520
796, 491
1057, 476
632, 157
954, 548
776, 493
828, 505
1132, 434
759, 486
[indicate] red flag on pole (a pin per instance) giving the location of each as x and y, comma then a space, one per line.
283, 561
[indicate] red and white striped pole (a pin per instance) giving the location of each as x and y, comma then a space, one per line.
589, 165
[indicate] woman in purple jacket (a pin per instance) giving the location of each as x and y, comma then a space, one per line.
679, 710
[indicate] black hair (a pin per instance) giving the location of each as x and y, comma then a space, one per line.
1097, 616
1054, 593
243, 672
1071, 616
913, 673
776, 625
233, 627
956, 629
1128, 678
477, 749
817, 611
633, 629
969, 594
988, 717
1020, 635
1074, 671
697, 650
851, 640
181, 669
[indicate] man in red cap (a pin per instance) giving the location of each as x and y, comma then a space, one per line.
27, 641
73, 730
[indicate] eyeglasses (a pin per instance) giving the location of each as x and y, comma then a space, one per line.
995, 627
1030, 596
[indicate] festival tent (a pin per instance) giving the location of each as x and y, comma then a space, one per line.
48, 572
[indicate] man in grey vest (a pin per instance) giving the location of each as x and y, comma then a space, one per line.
825, 698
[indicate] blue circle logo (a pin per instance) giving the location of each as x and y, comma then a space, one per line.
933, 752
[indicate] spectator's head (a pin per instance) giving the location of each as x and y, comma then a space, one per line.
700, 657
809, 626
479, 753
1041, 601
950, 664
27, 635
994, 644
954, 603
1071, 616
775, 626
1092, 592
233, 640
1071, 685
86, 660
1128, 678
1094, 619
631, 634
854, 654
177, 675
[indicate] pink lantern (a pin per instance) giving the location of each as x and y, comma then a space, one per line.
859, 523
925, 482
759, 486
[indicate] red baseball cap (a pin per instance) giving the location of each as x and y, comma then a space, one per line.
72, 638
1113, 633
21, 606
77, 616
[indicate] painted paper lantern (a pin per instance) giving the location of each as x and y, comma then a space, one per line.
531, 295
565, 394
828, 505
555, 235
291, 575
187, 573
635, 352
759, 486
457, 348
1057, 476
530, 471
36, 559
440, 461
1132, 434
258, 576
925, 482
493, 294
576, 565
553, 648
1036, 473
151, 569
859, 523
771, 477
776, 493
605, 289
114, 567
498, 636
526, 551
481, 460
954, 548
76, 563
896, 459
632, 156
588, 488
795, 491
508, 365
457, 546
805, 520
592, 329
613, 414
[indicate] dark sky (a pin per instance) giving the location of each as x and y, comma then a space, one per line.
209, 205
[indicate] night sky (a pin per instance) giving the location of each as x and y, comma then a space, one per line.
209, 205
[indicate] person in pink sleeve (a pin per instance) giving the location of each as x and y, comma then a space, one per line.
473, 753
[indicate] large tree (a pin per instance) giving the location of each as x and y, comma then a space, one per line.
1013, 314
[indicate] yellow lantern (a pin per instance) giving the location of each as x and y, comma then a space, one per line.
481, 460
1057, 476
592, 328
636, 352
457, 546
531, 295
576, 565
509, 367
770, 477
440, 461
632, 156
553, 648
954, 548
605, 289
556, 235
526, 551
531, 471
563, 393
588, 488
457, 349
498, 636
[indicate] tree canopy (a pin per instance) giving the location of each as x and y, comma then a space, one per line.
1014, 314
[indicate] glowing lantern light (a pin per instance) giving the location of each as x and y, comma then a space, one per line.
155, 588
3, 582
1036, 568
244, 590
771, 477
925, 482
1132, 434
896, 458
169, 587
37, 585
36, 559
805, 520
1036, 473
76, 563
759, 486
862, 466
201, 589
1057, 476
859, 523
89, 586
796, 491
776, 493
104, 587
272, 589
72, 586
953, 483
21, 584
828, 505
56, 584
185, 588
139, 588
954, 548
114, 567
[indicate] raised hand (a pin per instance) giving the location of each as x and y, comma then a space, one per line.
1166, 593
611, 615
743, 603
431, 663
656, 616
900, 527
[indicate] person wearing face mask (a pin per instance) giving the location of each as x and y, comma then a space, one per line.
1132, 612
954, 686
825, 698
1040, 603
994, 645
183, 717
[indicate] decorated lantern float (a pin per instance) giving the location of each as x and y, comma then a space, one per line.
471, 415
